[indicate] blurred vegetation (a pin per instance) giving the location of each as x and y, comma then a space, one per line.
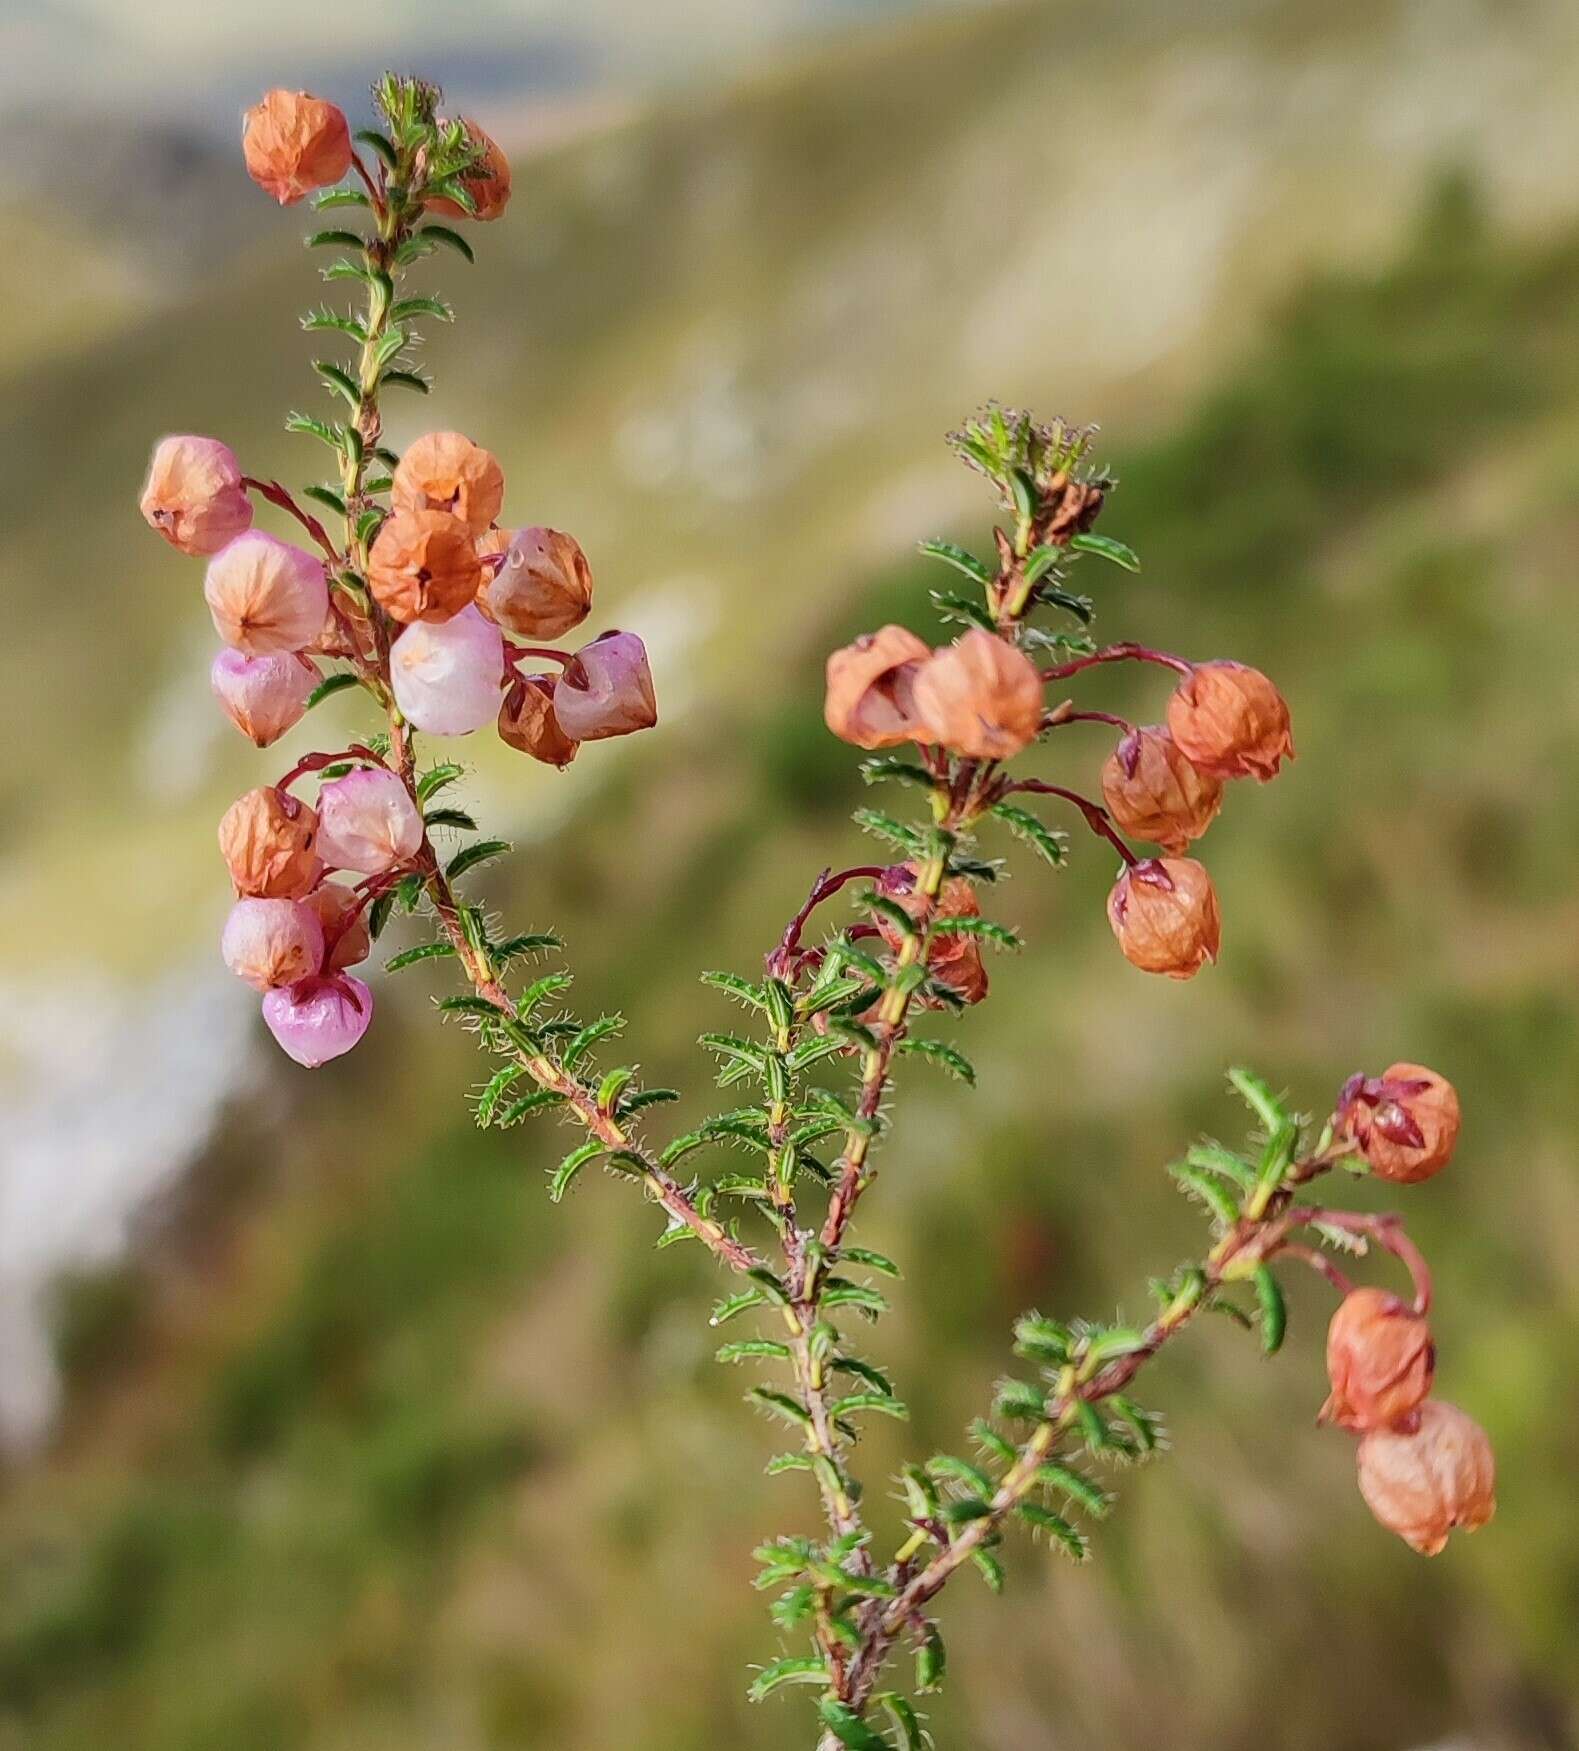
383, 1489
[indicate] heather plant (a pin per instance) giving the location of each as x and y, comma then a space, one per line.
416, 596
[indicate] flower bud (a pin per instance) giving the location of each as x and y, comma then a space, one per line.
1153, 792
1230, 721
487, 182
954, 959
980, 697
870, 700
1425, 1481
367, 822
340, 912
268, 841
271, 942
1404, 1121
319, 1019
606, 690
294, 143
527, 721
1164, 914
542, 588
448, 472
423, 566
266, 596
194, 496
1380, 1360
262, 696
447, 677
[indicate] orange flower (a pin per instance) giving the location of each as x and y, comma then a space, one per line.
1425, 1482
870, 688
448, 472
194, 496
953, 958
1164, 914
980, 696
267, 839
1153, 792
487, 182
294, 143
1231, 722
527, 721
423, 566
1405, 1121
333, 903
542, 588
1380, 1360
265, 595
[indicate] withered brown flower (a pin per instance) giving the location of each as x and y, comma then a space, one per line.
542, 586
488, 182
268, 840
1231, 721
527, 721
1164, 914
953, 958
1427, 1481
294, 143
980, 696
1154, 793
870, 698
446, 471
1405, 1121
423, 566
1380, 1361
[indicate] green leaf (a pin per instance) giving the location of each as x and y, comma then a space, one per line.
848, 1727
330, 685
334, 240
958, 557
1040, 562
732, 985
863, 1371
1259, 1098
573, 1163
991, 1568
428, 951
325, 320
1076, 1485
339, 197
882, 767
992, 1442
1051, 844
944, 1056
1105, 547
800, 1669
436, 777
871, 1401
874, 1261
931, 1661
314, 428
1042, 1340
837, 1293
456, 818
378, 915
327, 497
752, 1348
961, 1471
410, 307
962, 609
881, 826
529, 942
588, 1037
1144, 1425
613, 1086
478, 1006
442, 234
1274, 1314
469, 856
1019, 1401
534, 1102
1206, 1190
732, 1305
999, 935
380, 145
497, 1086
1074, 1544
406, 380
550, 985
1214, 1158
781, 1405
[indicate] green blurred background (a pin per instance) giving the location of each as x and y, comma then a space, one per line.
324, 1430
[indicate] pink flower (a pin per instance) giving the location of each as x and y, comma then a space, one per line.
319, 1019
448, 676
262, 696
606, 690
346, 937
266, 595
367, 822
271, 942
193, 495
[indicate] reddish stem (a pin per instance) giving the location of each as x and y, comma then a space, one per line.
1117, 653
1097, 818
517, 653
779, 961
1318, 1262
1387, 1231
1055, 719
317, 762
280, 495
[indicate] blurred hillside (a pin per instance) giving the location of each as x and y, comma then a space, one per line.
350, 1447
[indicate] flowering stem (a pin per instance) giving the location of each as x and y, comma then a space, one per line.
1387, 1231
281, 496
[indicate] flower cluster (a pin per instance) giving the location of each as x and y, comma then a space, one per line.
981, 700
1425, 1468
434, 608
